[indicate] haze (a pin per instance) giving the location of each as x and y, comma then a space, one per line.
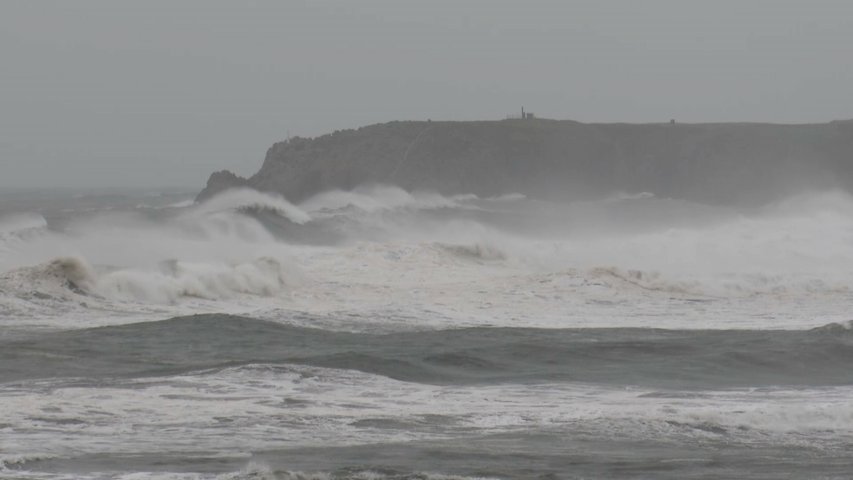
159, 93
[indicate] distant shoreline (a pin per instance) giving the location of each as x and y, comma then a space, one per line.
721, 163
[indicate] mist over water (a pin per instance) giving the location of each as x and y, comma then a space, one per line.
248, 248
381, 333
420, 278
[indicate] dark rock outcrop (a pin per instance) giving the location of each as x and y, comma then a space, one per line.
219, 181
731, 163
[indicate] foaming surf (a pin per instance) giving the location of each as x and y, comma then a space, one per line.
228, 389
22, 222
243, 199
382, 249
212, 255
265, 276
385, 334
375, 198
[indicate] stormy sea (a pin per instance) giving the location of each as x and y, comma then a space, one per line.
383, 334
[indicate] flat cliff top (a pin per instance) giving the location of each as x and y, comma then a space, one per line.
711, 162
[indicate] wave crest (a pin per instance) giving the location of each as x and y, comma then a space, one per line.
242, 199
265, 277
375, 198
836, 327
647, 280
257, 470
474, 251
58, 275
171, 282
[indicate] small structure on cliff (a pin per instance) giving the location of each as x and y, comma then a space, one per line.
524, 115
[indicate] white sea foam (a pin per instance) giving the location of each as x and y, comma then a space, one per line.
622, 196
375, 198
270, 406
20, 228
255, 470
8, 462
245, 198
787, 265
182, 204
211, 257
12, 223
167, 284
508, 197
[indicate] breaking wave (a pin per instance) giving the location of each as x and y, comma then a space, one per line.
255, 470
20, 228
211, 251
376, 198
246, 199
619, 197
258, 471
171, 282
424, 325
380, 247
21, 223
508, 197
475, 251
265, 276
16, 462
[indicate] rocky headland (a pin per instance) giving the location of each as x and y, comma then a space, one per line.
721, 163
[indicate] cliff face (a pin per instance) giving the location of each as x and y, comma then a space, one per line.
716, 163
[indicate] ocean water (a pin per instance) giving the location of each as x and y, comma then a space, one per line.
384, 334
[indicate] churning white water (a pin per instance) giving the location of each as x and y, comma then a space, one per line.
510, 261
392, 334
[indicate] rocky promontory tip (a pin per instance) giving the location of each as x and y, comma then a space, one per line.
219, 181
725, 163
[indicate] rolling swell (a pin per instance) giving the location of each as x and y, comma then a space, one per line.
685, 359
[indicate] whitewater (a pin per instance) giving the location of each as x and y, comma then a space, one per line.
380, 333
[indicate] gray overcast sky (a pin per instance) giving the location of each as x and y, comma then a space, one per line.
159, 93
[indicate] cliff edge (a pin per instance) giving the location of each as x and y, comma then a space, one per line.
727, 163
